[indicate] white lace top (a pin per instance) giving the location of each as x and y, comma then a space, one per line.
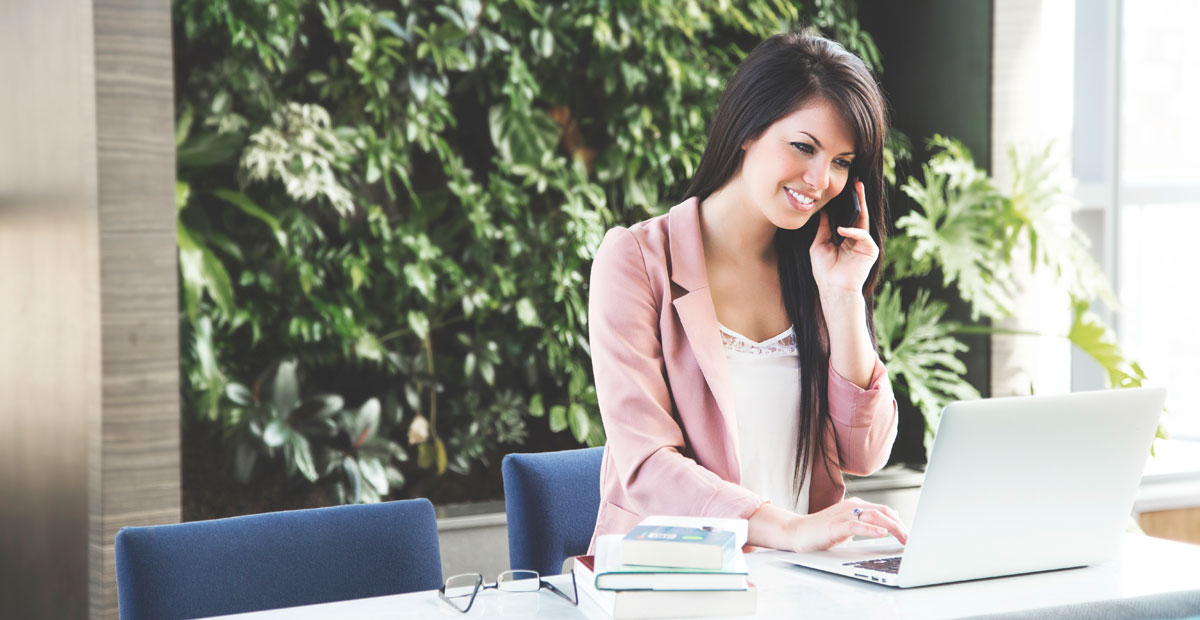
766, 397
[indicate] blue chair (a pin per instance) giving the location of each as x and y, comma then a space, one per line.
280, 559
551, 500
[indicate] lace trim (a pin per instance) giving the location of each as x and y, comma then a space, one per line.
782, 344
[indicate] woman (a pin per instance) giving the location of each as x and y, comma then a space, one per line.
732, 339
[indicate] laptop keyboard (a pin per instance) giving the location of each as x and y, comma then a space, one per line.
883, 565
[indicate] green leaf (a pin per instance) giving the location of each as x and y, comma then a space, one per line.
426, 455
302, 453
536, 408
216, 280
374, 474
395, 478
285, 387
209, 149
239, 394
248, 207
366, 421
419, 323
962, 224
368, 347
558, 418
319, 407
183, 191
201, 271
276, 433
353, 479
526, 312
579, 422
440, 450
917, 346
183, 126
421, 277
522, 136
1092, 336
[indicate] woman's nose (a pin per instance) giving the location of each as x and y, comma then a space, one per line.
817, 176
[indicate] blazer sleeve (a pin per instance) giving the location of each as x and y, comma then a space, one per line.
643, 437
864, 421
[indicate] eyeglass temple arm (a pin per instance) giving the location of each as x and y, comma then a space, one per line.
574, 586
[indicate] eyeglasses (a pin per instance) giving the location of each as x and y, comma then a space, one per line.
459, 591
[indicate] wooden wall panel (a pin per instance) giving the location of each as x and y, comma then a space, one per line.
139, 442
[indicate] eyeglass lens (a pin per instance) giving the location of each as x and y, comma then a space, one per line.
460, 590
519, 581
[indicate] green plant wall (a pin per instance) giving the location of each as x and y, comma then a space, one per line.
387, 211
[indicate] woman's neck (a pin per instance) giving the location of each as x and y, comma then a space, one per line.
735, 231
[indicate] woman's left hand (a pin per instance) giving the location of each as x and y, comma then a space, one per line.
841, 270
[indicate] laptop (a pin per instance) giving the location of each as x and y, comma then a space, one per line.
1015, 485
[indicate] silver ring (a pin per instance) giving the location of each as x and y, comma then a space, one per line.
858, 513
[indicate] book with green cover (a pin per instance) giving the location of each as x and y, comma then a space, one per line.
673, 546
620, 604
611, 574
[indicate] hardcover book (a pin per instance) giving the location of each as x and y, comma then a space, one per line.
678, 547
630, 604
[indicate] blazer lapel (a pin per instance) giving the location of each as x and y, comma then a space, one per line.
699, 318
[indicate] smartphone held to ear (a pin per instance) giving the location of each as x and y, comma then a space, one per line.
844, 210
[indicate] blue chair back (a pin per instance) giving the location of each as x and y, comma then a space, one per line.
280, 559
551, 500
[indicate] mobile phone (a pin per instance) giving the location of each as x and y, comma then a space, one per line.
844, 210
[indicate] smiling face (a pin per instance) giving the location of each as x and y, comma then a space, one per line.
797, 165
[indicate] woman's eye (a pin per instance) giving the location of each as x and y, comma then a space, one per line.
802, 147
842, 163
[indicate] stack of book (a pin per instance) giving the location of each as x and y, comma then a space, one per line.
670, 567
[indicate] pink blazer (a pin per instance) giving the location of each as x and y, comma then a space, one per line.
665, 394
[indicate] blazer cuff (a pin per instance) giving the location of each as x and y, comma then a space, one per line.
734, 501
853, 406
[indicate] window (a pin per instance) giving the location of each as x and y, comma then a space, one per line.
1137, 156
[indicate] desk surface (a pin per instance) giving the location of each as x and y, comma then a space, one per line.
1149, 569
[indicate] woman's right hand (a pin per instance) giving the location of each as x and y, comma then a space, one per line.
840, 522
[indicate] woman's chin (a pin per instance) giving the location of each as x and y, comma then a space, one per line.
792, 220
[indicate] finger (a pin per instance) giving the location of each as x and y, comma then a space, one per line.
884, 508
885, 511
863, 220
860, 241
893, 526
857, 527
857, 234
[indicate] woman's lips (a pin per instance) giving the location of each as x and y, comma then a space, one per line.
803, 207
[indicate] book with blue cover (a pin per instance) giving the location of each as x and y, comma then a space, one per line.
676, 546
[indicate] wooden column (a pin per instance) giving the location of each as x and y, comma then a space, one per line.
89, 395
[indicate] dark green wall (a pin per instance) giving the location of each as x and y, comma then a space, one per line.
937, 58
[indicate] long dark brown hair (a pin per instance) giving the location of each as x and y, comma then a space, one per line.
783, 74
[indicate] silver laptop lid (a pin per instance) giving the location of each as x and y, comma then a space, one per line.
1030, 483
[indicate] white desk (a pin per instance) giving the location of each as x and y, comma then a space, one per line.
1154, 571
